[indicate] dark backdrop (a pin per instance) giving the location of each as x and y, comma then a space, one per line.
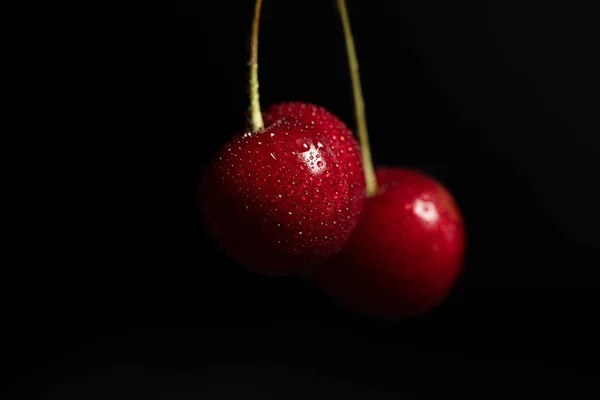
499, 102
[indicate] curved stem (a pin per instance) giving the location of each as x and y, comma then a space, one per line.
255, 112
359, 103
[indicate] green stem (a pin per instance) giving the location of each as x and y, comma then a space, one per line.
255, 112
359, 103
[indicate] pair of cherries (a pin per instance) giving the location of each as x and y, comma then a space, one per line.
289, 198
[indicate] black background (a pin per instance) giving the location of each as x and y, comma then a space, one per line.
499, 102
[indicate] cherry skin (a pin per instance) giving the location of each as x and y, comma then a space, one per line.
405, 253
278, 201
336, 133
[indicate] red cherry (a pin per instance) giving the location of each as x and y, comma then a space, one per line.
405, 253
285, 195
278, 201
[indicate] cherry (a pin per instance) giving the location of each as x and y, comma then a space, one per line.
407, 249
405, 253
279, 201
284, 195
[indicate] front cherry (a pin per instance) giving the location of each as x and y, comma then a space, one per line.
283, 196
278, 201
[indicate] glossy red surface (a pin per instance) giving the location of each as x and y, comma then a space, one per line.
281, 201
405, 253
338, 135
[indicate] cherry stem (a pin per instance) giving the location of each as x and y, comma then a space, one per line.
256, 119
359, 103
